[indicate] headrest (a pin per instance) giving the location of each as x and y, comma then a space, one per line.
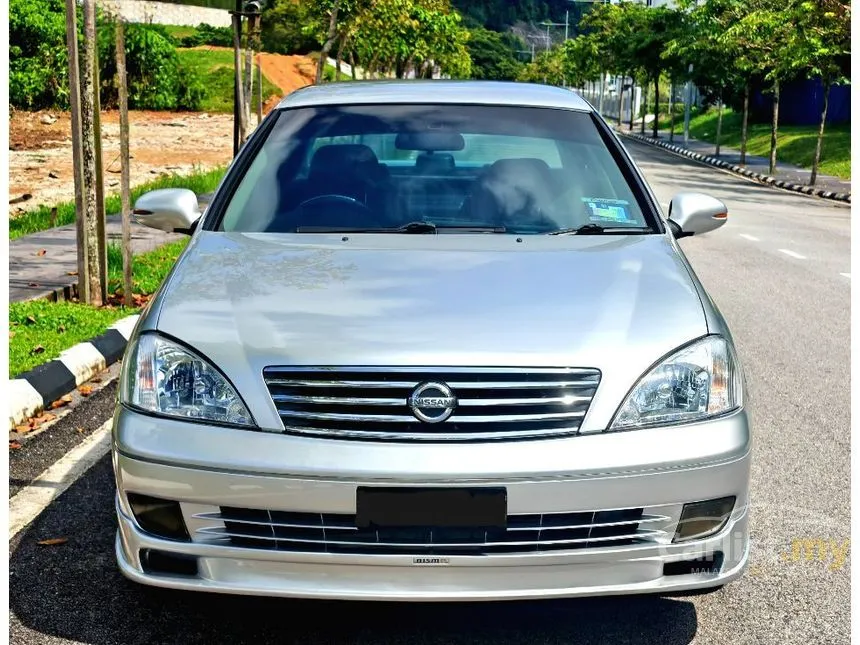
525, 168
434, 163
336, 157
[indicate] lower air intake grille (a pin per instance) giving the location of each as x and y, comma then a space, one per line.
379, 403
337, 533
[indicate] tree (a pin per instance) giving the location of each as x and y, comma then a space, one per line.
763, 37
402, 35
821, 46
699, 40
493, 56
283, 27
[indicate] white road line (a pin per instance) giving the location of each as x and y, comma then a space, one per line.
792, 254
751, 238
35, 498
846, 275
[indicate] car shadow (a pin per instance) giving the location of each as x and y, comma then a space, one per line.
74, 591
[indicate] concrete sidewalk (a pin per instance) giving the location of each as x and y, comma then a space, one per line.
784, 171
33, 274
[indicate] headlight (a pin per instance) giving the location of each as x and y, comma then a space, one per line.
699, 381
162, 377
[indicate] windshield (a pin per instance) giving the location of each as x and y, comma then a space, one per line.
513, 170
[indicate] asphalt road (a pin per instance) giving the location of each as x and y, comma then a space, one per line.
775, 270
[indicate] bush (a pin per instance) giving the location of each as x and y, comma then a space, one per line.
38, 58
38, 62
209, 35
156, 79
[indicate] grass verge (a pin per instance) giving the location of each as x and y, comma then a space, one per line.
215, 67
39, 330
40, 219
795, 145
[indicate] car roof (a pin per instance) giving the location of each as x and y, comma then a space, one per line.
435, 91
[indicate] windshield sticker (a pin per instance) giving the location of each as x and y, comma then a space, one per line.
607, 210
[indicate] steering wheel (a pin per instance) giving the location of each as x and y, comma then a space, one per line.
337, 199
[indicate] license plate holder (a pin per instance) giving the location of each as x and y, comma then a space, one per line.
390, 507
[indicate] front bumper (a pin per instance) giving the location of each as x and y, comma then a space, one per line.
708, 461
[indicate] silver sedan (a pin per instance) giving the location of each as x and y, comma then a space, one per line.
432, 341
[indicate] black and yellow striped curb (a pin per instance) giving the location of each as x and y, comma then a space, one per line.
740, 170
31, 392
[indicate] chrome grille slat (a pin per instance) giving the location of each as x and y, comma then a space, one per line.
378, 435
474, 385
402, 418
639, 535
372, 403
338, 533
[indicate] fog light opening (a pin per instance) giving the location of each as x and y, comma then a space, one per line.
709, 564
160, 517
163, 562
701, 519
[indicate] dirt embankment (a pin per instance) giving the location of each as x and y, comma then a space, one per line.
40, 156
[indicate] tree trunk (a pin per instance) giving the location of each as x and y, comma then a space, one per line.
339, 60
352, 65
248, 90
632, 100
125, 178
774, 128
620, 103
643, 108
332, 36
77, 143
655, 127
744, 122
94, 290
602, 87
672, 111
817, 157
719, 123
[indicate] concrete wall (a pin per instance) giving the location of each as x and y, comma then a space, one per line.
165, 13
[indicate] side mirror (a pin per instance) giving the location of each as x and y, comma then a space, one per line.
174, 210
695, 213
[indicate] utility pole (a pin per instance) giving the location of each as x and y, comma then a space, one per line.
124, 158
77, 146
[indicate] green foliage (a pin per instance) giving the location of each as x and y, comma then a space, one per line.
38, 56
494, 55
205, 34
38, 62
398, 35
282, 28
156, 79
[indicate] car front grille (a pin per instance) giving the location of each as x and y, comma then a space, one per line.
372, 403
337, 533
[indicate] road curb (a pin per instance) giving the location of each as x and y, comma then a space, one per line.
739, 170
33, 391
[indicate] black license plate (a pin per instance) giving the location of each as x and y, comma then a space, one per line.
431, 507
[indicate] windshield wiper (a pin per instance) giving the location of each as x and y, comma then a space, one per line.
597, 229
417, 227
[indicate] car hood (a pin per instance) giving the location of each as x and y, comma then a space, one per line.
247, 301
